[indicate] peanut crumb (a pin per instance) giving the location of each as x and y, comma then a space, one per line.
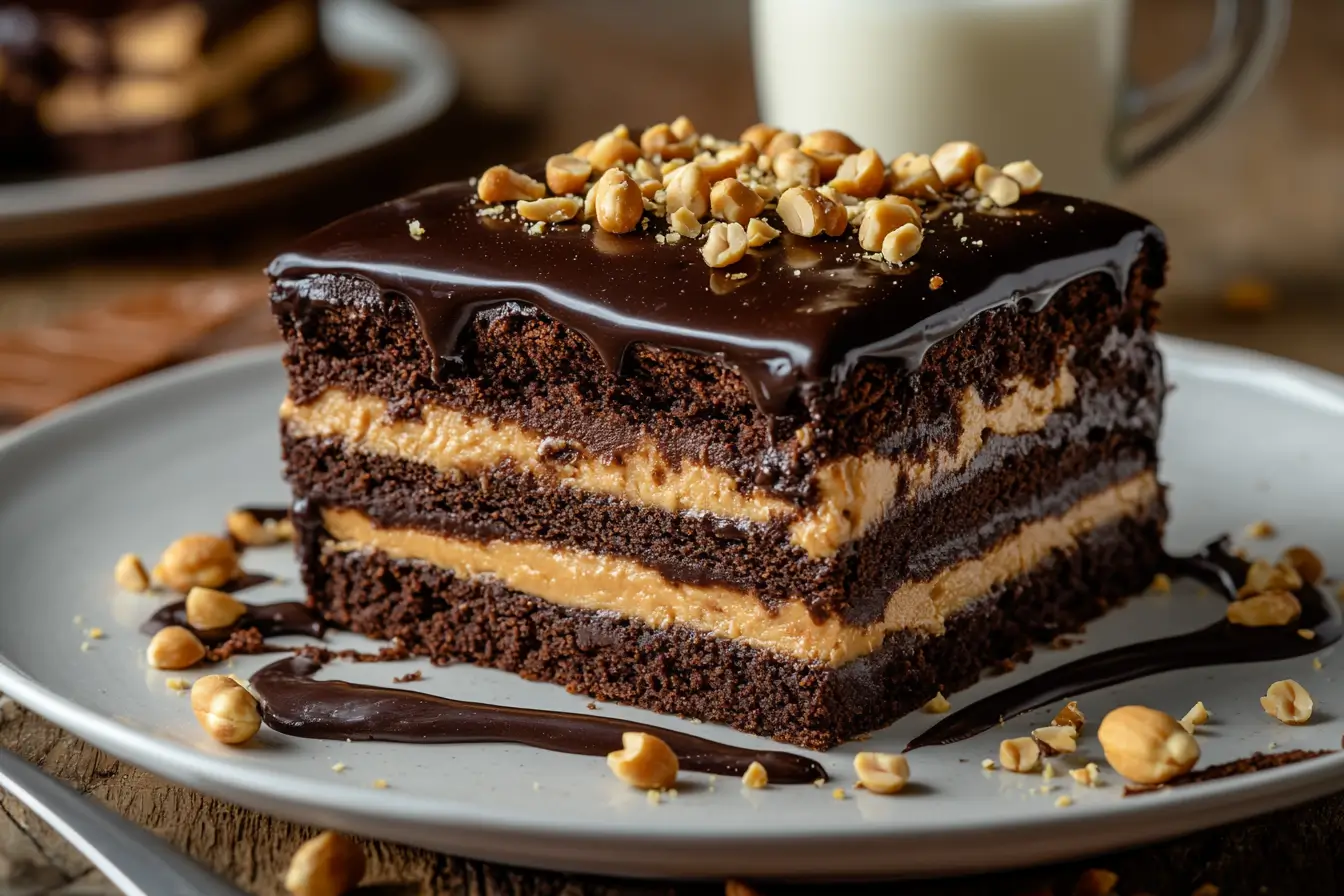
958, 220
838, 793
936, 282
96, 633
1306, 633
1069, 209
988, 765
1064, 801
1161, 583
755, 777
1088, 774
820, 782
84, 647
1260, 529
178, 684
653, 797
338, 767
1047, 771
1316, 663
379, 784
937, 705
417, 232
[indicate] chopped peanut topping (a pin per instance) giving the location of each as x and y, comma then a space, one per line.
755, 777
1027, 175
685, 223
759, 135
782, 141
683, 128
644, 761
612, 149
1019, 754
688, 187
881, 217
793, 167
567, 174
759, 233
803, 211
1267, 609
1070, 715
914, 175
732, 200
1288, 702
862, 175
956, 162
726, 162
902, 243
618, 204
1305, 562
1056, 739
884, 773
1197, 715
130, 574
659, 141
502, 184
552, 210
726, 244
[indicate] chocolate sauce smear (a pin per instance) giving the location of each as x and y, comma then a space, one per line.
796, 314
267, 512
1218, 644
294, 702
285, 618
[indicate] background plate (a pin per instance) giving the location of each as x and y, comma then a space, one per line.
361, 33
1247, 437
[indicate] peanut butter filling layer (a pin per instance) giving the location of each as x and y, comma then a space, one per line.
852, 493
584, 580
86, 103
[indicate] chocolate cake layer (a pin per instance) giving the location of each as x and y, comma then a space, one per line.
682, 671
793, 318
1013, 480
521, 366
577, 578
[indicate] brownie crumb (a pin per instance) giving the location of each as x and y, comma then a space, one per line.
408, 677
244, 641
1256, 762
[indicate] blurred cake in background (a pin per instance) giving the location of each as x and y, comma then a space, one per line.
109, 84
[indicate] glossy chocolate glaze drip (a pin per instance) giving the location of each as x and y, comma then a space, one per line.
805, 311
294, 702
285, 618
1218, 644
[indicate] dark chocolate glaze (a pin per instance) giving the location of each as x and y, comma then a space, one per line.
1218, 644
285, 618
804, 313
294, 702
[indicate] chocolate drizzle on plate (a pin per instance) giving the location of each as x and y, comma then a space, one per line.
794, 315
294, 702
1218, 644
284, 618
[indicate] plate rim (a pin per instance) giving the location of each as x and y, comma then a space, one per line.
615, 846
427, 83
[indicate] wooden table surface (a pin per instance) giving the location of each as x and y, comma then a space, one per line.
1255, 213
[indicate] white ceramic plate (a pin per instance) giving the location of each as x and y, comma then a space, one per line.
367, 34
1247, 437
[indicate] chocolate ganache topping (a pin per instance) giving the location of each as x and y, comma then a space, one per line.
795, 314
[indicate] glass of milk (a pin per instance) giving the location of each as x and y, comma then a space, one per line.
1044, 80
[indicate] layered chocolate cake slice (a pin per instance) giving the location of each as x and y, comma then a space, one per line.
763, 432
104, 84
